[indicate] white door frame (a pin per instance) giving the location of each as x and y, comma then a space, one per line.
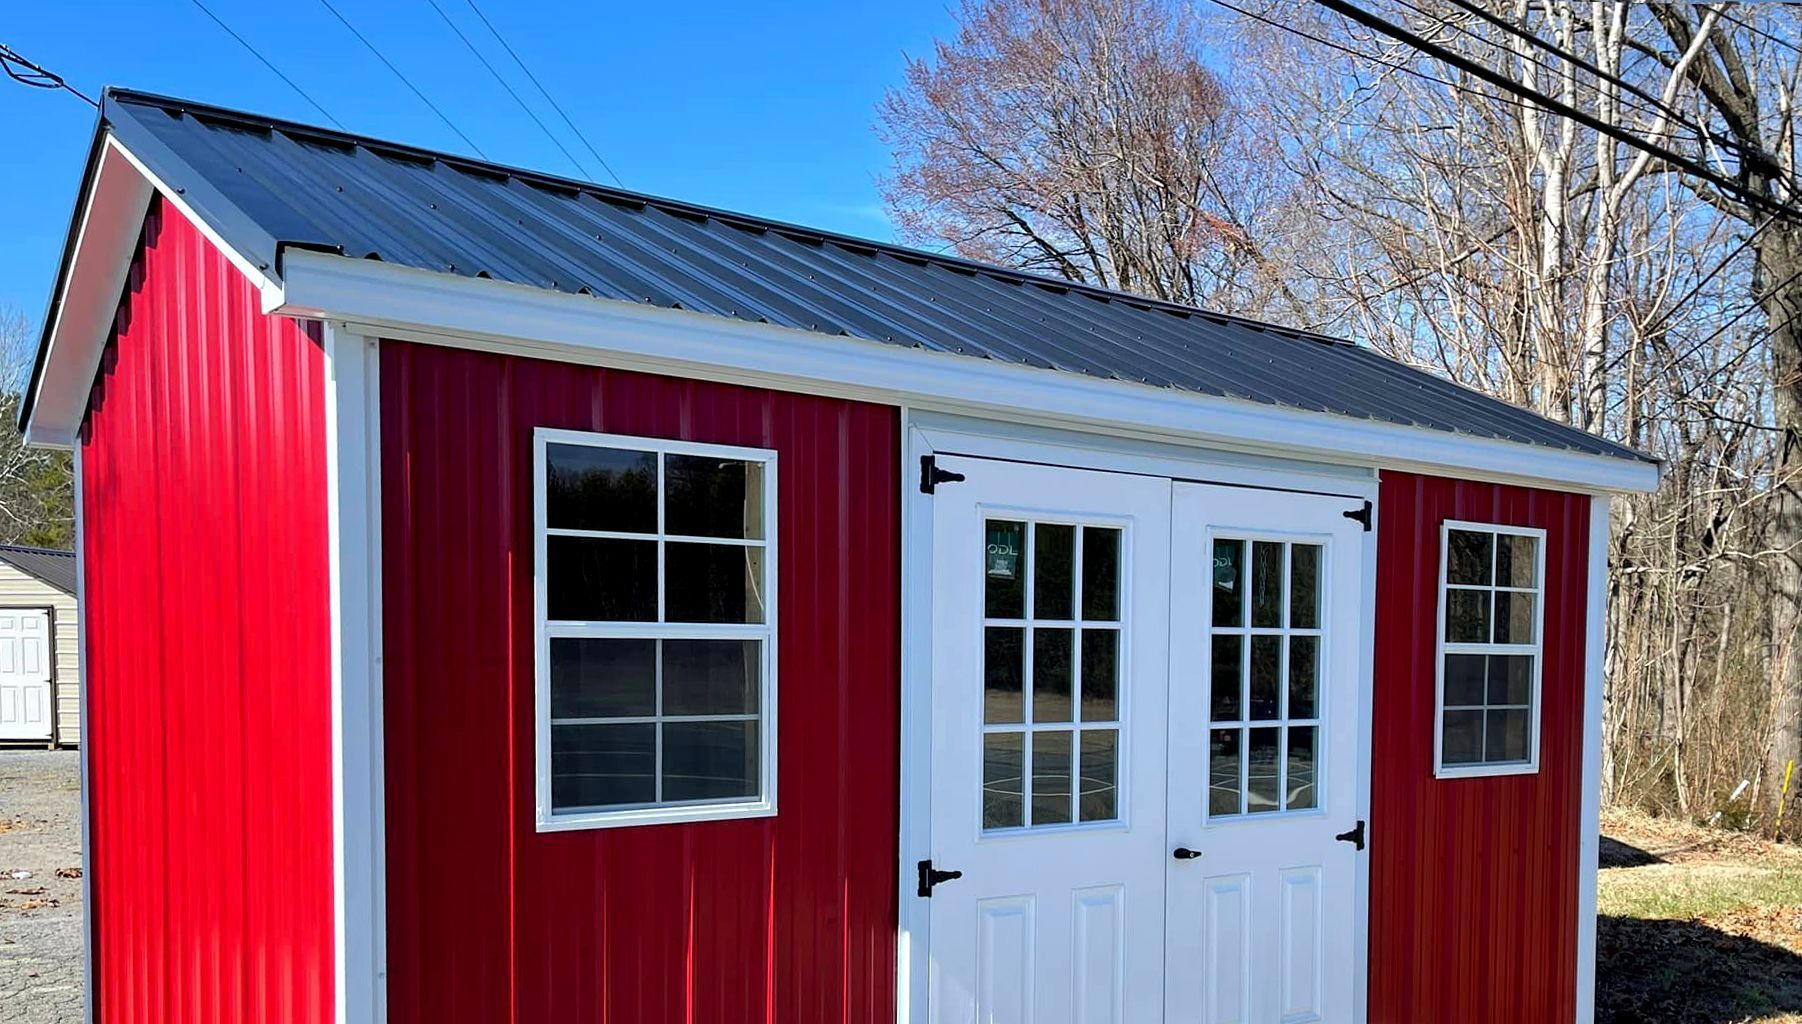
924, 434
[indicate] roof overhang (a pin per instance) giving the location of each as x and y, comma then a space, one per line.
388, 301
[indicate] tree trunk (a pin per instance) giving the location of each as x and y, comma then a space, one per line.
1778, 286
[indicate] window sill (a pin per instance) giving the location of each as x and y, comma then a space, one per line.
1484, 771
686, 813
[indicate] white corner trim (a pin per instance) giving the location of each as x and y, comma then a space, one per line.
112, 218
1590, 825
401, 302
913, 942
89, 1011
354, 523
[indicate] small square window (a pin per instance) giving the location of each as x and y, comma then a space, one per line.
1491, 600
655, 615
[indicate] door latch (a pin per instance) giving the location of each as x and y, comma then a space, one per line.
1354, 837
1184, 853
931, 876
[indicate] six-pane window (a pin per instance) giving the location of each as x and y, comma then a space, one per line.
1491, 605
656, 628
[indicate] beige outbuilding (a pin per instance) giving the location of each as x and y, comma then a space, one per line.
40, 647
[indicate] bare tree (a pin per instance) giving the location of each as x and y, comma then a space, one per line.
36, 485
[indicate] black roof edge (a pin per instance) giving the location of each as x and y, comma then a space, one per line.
53, 305
319, 135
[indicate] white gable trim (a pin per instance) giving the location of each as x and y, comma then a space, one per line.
385, 300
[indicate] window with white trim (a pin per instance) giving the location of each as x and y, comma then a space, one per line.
655, 575
1491, 611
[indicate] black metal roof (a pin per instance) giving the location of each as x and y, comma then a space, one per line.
282, 184
54, 567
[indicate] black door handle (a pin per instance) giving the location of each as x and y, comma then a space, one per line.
1184, 853
1354, 837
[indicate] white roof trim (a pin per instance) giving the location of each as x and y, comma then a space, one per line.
112, 216
385, 300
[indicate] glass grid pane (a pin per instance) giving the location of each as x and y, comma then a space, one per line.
1051, 670
1264, 676
667, 718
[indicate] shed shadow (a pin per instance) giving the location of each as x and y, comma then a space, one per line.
1615, 854
1654, 971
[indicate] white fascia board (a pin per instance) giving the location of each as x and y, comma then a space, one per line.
402, 302
111, 220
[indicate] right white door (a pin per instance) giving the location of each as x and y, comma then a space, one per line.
24, 674
1263, 757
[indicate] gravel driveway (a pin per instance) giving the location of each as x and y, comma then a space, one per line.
40, 887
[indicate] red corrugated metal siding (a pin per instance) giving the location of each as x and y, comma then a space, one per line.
209, 744
788, 920
1473, 882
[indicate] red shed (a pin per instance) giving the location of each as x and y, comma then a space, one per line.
514, 599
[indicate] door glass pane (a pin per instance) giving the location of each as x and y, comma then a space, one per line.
709, 760
1300, 790
1100, 574
1053, 571
1051, 778
589, 488
1100, 760
1469, 557
1051, 656
1266, 677
1304, 671
1004, 567
1100, 675
1003, 764
603, 678
1223, 772
1002, 674
596, 580
1262, 771
1266, 584
1226, 681
712, 583
711, 677
1304, 586
707, 496
1229, 574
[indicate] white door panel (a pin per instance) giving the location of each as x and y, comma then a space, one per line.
1049, 663
24, 674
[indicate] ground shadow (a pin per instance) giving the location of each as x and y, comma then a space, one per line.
1684, 972
1616, 854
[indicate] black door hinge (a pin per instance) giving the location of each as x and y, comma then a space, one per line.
931, 475
1361, 515
931, 876
1354, 837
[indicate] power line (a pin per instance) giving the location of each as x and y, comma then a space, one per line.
403, 78
266, 63
558, 107
1745, 194
25, 72
503, 82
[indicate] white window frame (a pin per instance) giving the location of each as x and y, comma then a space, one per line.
763, 805
1441, 648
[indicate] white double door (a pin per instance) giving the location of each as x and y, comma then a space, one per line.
1145, 706
24, 674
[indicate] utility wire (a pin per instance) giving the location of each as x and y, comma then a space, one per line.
403, 78
558, 107
1671, 158
35, 75
266, 63
503, 82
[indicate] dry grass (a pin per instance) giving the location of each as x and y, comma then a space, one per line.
1697, 925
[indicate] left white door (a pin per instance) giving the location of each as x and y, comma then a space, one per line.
24, 674
1050, 593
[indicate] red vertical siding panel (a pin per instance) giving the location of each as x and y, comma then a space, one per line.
203, 477
788, 920
1473, 882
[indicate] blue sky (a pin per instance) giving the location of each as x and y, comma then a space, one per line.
761, 109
